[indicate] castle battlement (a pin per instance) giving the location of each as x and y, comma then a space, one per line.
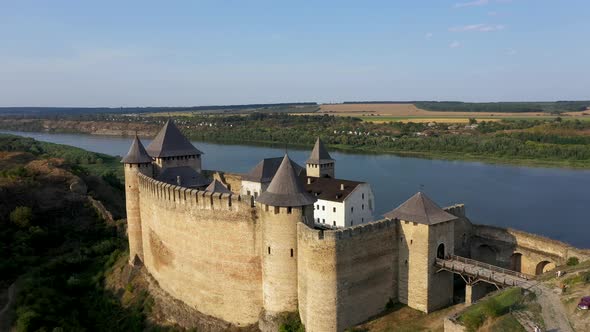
199, 199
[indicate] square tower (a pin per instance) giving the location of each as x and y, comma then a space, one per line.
426, 232
320, 163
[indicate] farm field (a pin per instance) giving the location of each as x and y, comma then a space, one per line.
379, 113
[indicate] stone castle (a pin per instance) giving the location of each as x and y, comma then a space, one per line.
247, 260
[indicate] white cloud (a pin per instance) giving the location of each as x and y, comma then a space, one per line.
428, 35
455, 44
478, 27
472, 3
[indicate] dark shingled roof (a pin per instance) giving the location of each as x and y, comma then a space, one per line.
217, 187
170, 142
329, 189
286, 188
137, 153
421, 209
265, 170
319, 154
188, 177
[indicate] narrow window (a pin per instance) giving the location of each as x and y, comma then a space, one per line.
318, 206
269, 250
352, 209
363, 207
289, 210
351, 222
291, 252
334, 223
248, 192
323, 208
363, 195
411, 241
277, 210
323, 221
266, 208
334, 209
362, 220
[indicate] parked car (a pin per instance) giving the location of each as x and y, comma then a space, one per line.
584, 303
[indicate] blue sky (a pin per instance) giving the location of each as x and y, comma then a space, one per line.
178, 53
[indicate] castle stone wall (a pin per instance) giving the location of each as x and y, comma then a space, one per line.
503, 244
347, 275
203, 249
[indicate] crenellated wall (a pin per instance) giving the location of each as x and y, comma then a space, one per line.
346, 275
203, 248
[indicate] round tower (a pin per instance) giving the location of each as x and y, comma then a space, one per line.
284, 204
136, 161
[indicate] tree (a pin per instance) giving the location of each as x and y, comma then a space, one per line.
21, 216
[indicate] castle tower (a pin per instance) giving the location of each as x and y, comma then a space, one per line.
284, 204
170, 148
320, 164
426, 232
136, 161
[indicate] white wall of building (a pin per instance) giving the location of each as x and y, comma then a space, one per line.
329, 213
357, 208
251, 188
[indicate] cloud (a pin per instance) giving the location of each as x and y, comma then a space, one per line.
455, 44
472, 3
428, 35
478, 27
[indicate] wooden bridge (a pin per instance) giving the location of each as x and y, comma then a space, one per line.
473, 271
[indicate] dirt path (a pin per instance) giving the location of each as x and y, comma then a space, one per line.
552, 309
6, 312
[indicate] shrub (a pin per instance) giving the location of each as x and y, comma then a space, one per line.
291, 323
573, 261
21, 216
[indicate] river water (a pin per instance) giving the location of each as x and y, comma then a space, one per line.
547, 201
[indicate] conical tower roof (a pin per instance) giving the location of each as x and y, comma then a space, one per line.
286, 188
170, 142
136, 154
421, 209
217, 187
319, 154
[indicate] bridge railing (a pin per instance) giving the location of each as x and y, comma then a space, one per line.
488, 266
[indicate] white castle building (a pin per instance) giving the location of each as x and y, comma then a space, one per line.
340, 203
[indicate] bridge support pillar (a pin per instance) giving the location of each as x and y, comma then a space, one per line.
474, 292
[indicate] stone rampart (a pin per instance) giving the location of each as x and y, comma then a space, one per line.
203, 248
518, 250
346, 275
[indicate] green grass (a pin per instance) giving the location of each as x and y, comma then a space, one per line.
492, 307
506, 323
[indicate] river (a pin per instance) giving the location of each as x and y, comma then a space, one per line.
548, 201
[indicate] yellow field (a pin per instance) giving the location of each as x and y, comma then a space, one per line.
406, 110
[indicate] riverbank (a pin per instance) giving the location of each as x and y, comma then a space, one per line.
464, 146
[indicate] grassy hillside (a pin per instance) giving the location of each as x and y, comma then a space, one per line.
54, 247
